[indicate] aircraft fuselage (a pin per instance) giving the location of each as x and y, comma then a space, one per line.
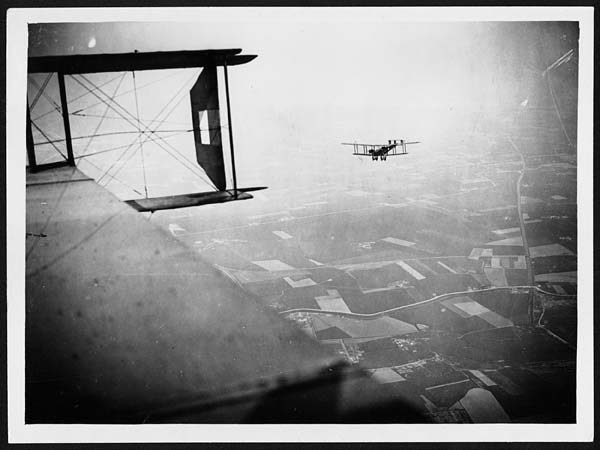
382, 151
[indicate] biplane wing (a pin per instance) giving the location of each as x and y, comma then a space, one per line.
204, 101
118, 62
187, 200
395, 148
126, 324
363, 144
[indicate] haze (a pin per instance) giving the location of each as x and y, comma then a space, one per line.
316, 84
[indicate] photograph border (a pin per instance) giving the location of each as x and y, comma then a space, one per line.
16, 73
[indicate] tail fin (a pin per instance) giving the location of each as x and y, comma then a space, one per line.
206, 119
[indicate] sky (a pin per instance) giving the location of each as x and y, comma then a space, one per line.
318, 82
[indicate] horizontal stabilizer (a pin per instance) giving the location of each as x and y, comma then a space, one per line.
188, 200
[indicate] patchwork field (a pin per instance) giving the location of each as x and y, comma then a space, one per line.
418, 275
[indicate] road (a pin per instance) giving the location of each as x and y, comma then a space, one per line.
530, 276
376, 315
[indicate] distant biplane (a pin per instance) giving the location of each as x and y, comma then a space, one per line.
204, 101
376, 151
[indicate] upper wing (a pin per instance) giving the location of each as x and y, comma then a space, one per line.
204, 101
363, 149
118, 62
362, 144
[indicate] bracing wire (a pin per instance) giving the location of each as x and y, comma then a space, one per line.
74, 99
48, 139
120, 159
101, 118
57, 107
119, 147
98, 126
185, 163
46, 96
98, 88
144, 133
118, 112
114, 178
137, 112
193, 168
148, 121
39, 93
120, 95
77, 112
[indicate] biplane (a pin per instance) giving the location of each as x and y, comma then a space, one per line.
204, 108
126, 324
376, 151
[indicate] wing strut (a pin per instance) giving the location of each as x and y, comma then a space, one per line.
70, 159
235, 192
65, 113
30, 144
